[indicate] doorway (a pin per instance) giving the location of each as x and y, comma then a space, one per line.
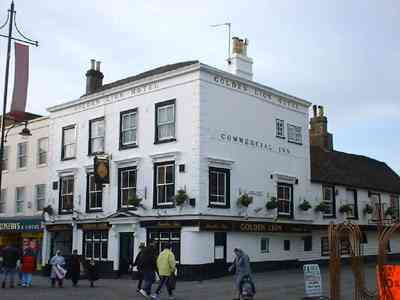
126, 257
220, 253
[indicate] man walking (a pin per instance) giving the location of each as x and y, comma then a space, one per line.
166, 265
10, 259
75, 268
148, 264
139, 270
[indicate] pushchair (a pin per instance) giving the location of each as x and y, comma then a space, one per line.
247, 289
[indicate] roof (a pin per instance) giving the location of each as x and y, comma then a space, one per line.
339, 168
156, 71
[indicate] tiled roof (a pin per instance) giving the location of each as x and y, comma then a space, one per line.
339, 168
156, 71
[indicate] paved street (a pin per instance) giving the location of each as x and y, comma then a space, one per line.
272, 285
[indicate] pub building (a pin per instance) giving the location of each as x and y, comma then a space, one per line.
183, 148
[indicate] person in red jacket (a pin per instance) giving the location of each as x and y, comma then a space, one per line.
28, 266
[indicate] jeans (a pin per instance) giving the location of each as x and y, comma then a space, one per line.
10, 274
164, 280
149, 278
26, 279
140, 279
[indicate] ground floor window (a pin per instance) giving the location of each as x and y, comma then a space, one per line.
61, 240
286, 245
324, 246
96, 244
264, 245
162, 237
307, 243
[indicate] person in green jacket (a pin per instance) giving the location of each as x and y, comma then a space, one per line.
166, 265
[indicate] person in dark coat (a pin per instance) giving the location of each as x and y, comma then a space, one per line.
241, 267
139, 270
75, 268
148, 264
92, 273
10, 259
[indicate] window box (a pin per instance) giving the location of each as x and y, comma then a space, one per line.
135, 202
305, 205
322, 207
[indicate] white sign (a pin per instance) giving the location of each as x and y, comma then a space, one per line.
312, 280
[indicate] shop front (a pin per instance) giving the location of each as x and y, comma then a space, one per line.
23, 233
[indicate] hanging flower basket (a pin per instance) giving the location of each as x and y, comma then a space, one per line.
305, 205
368, 209
321, 207
181, 197
245, 200
346, 209
135, 201
271, 204
390, 211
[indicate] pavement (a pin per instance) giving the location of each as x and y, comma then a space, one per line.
283, 284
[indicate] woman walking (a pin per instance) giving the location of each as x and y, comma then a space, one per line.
75, 268
57, 263
241, 267
28, 266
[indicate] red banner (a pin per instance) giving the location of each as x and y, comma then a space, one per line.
388, 282
21, 76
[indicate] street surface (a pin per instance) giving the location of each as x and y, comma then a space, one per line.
284, 284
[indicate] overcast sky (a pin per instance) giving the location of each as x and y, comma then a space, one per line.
344, 55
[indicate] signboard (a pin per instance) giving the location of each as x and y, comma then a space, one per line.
391, 282
312, 280
59, 227
101, 170
94, 226
30, 225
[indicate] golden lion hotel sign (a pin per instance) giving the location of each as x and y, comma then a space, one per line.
29, 225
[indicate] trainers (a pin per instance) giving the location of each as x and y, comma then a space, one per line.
155, 297
171, 297
143, 292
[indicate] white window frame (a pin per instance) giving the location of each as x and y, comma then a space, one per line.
165, 184
95, 192
42, 198
267, 243
3, 201
62, 182
94, 240
294, 134
280, 128
126, 129
20, 201
93, 137
289, 200
218, 195
394, 203
376, 201
127, 188
167, 122
40, 152
5, 158
329, 202
22, 156
351, 202
71, 144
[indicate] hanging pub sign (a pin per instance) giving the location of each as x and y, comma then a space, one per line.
101, 170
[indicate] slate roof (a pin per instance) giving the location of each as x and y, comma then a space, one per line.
339, 168
156, 71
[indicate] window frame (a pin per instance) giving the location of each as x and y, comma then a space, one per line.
133, 144
286, 245
332, 187
159, 105
354, 205
65, 128
395, 197
90, 146
39, 152
19, 156
61, 210
376, 206
92, 240
295, 140
280, 122
37, 194
291, 204
120, 172
267, 245
324, 246
3, 201
5, 160
227, 186
307, 243
19, 200
165, 164
90, 209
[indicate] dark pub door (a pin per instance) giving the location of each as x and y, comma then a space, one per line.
220, 264
125, 252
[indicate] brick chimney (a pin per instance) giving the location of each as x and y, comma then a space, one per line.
319, 135
94, 77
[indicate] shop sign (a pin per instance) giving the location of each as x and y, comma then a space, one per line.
391, 282
252, 227
59, 227
20, 225
101, 170
94, 226
312, 281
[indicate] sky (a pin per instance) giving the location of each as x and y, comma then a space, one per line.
344, 55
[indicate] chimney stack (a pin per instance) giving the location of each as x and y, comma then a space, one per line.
94, 77
239, 63
319, 135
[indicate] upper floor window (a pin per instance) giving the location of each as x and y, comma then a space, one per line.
280, 128
165, 121
219, 187
377, 207
40, 191
43, 145
128, 129
394, 202
19, 199
328, 197
164, 184
351, 197
94, 195
127, 186
4, 166
68, 150
96, 136
285, 199
22, 153
3, 198
66, 204
324, 246
294, 134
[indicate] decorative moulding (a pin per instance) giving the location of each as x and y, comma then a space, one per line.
127, 161
284, 178
68, 171
159, 157
220, 162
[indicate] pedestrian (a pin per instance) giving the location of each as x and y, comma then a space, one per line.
10, 260
139, 269
166, 265
241, 267
58, 272
92, 273
148, 264
75, 268
28, 266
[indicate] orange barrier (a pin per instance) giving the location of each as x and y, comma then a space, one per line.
388, 282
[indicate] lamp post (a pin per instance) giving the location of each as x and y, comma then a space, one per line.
11, 22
